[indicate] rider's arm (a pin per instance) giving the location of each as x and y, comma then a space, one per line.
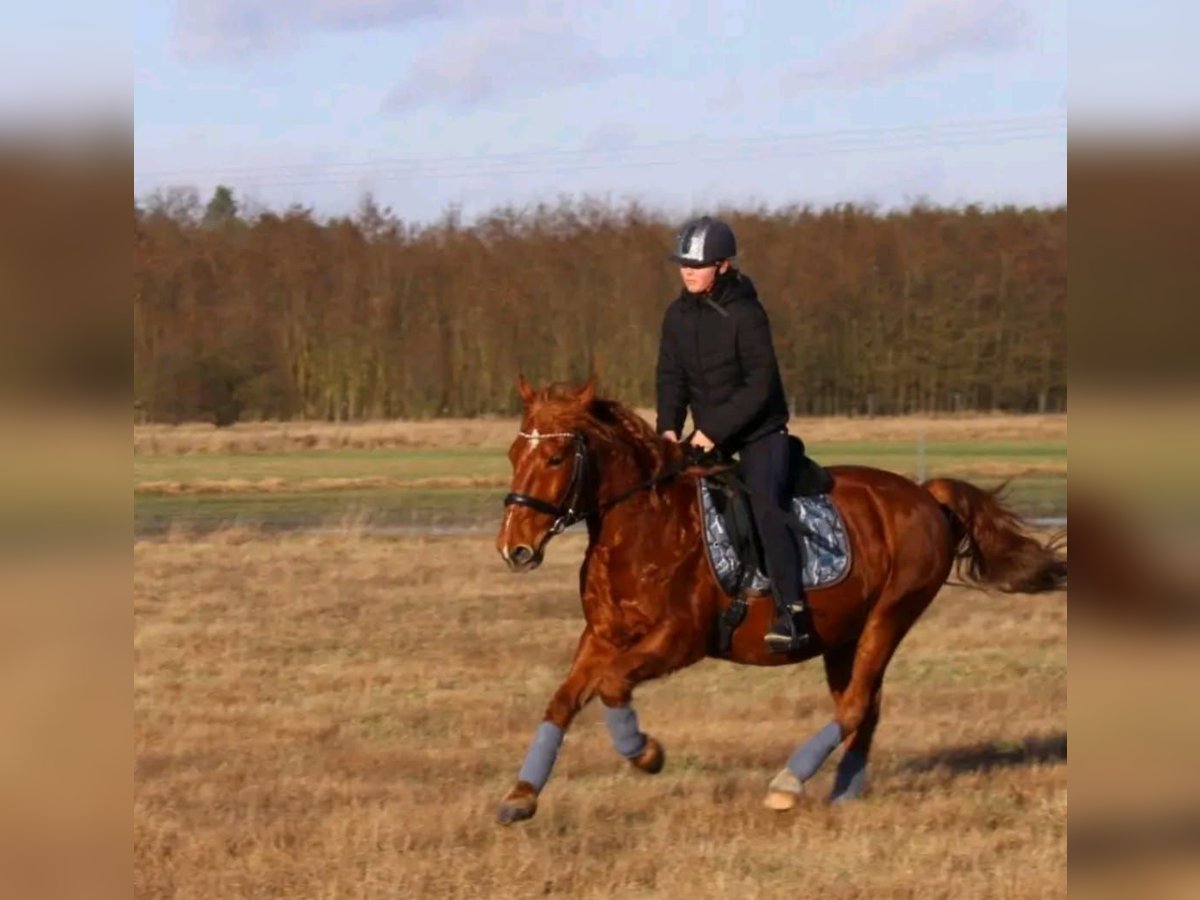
671, 381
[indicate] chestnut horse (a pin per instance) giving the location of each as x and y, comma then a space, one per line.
651, 600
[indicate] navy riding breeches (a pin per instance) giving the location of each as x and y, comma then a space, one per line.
765, 471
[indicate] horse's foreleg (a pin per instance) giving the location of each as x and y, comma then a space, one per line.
577, 688
642, 751
616, 693
669, 646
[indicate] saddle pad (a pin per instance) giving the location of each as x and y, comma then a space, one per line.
826, 546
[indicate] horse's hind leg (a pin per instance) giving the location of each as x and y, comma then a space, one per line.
858, 706
850, 782
857, 703
786, 787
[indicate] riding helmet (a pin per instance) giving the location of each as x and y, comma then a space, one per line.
704, 242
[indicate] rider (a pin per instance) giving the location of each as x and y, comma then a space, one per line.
716, 356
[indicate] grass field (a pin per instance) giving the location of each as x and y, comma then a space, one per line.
453, 473
336, 715
495, 433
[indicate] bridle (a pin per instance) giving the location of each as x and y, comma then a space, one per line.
568, 512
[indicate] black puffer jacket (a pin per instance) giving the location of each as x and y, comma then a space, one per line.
716, 356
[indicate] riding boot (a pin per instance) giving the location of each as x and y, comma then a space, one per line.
784, 636
792, 628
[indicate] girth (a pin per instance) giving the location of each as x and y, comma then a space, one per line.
739, 519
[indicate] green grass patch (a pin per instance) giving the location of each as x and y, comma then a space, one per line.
300, 466
835, 451
1039, 494
401, 508
939, 458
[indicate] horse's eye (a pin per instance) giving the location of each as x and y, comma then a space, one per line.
556, 460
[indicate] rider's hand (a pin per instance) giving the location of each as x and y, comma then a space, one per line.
702, 440
671, 436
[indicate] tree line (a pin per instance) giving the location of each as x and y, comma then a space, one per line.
243, 314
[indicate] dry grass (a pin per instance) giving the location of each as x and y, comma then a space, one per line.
325, 716
278, 485
278, 437
282, 437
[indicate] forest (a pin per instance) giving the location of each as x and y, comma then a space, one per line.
248, 314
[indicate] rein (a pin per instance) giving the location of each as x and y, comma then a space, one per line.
567, 513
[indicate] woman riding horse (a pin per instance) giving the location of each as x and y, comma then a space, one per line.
716, 356
651, 599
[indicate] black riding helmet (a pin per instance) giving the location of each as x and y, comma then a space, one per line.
704, 242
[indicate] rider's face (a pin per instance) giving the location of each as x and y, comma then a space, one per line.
699, 281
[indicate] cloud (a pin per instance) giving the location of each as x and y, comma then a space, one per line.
206, 29
497, 58
609, 136
922, 34
492, 48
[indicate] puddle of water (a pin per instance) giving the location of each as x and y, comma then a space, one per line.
411, 523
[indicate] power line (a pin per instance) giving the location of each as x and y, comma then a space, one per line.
850, 140
879, 131
745, 157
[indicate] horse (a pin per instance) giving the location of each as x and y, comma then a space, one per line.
651, 601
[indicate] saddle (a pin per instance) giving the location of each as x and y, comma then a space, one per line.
733, 545
807, 476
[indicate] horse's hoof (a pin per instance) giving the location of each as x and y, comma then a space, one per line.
784, 791
850, 794
514, 812
851, 781
848, 798
518, 804
652, 758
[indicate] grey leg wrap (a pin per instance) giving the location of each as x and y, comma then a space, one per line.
542, 753
807, 758
851, 779
623, 726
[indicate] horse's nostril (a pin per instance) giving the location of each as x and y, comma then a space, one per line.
521, 554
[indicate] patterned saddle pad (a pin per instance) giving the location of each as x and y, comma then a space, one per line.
826, 545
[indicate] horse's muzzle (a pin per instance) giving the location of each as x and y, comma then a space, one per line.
522, 558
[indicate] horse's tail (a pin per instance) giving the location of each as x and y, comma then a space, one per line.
992, 546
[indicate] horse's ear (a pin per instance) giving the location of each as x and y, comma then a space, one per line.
525, 390
586, 394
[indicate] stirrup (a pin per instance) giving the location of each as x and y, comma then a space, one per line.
784, 643
781, 642
793, 638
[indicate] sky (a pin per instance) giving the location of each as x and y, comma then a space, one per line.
438, 104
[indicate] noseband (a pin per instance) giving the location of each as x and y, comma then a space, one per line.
566, 513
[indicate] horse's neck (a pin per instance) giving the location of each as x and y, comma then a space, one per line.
637, 505
623, 469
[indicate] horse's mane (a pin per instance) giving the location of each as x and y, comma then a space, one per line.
613, 422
